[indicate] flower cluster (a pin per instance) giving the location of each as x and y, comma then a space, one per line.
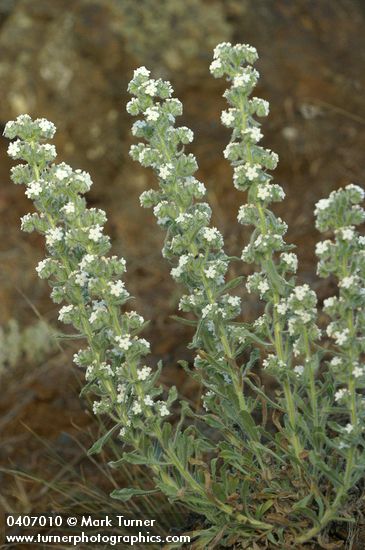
344, 258
318, 407
84, 277
267, 249
192, 245
289, 325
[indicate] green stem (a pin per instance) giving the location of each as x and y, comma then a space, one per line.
278, 339
332, 510
193, 249
312, 382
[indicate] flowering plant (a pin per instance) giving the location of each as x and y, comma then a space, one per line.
275, 467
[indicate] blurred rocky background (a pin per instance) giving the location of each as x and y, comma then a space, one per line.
71, 62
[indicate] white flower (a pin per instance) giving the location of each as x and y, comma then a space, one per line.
14, 148
51, 149
54, 235
182, 218
336, 361
104, 367
206, 310
136, 408
340, 394
210, 272
124, 342
177, 271
151, 88
144, 343
263, 104
358, 371
121, 393
61, 173
8, 126
187, 135
69, 208
63, 311
98, 308
89, 373
291, 326
117, 288
138, 125
216, 64
46, 126
86, 260
331, 329
329, 302
95, 233
34, 190
323, 204
322, 247
341, 337
347, 282
291, 260
299, 369
141, 71
201, 188
210, 233
348, 428
227, 117
301, 291
263, 287
252, 171
97, 405
305, 316
234, 301
144, 373
228, 150
41, 266
205, 397
165, 171
347, 233
282, 308
241, 80
81, 278
253, 133
152, 114
272, 361
357, 188
263, 192
148, 400
164, 411
218, 49
85, 178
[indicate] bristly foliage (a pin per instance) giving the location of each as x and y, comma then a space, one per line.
280, 485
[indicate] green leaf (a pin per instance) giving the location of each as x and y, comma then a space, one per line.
302, 503
172, 396
90, 387
264, 508
213, 421
129, 492
98, 445
232, 284
134, 458
325, 469
183, 321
